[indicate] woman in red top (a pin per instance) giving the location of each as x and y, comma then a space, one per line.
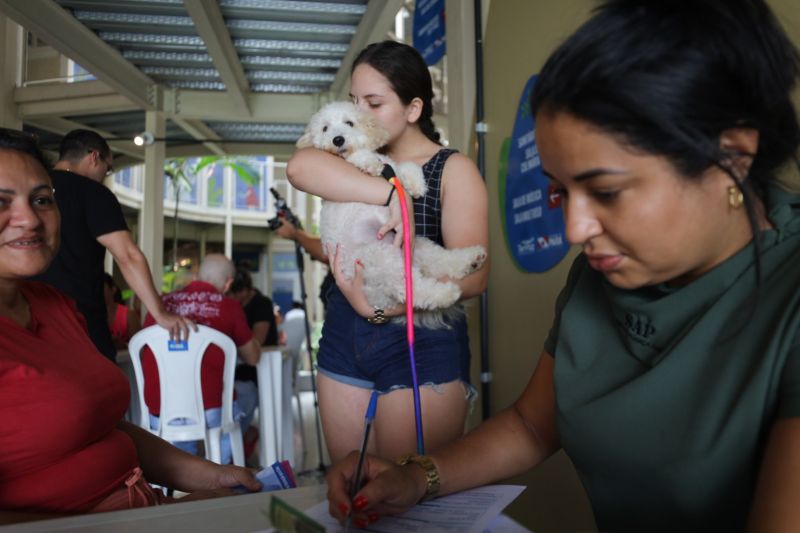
63, 446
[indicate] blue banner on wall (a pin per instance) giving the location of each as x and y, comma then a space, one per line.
429, 35
534, 222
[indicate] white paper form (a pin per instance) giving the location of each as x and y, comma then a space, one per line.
469, 511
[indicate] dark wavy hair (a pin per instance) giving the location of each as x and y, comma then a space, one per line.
668, 77
408, 75
23, 142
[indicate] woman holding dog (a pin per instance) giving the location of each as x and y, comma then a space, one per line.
357, 353
671, 376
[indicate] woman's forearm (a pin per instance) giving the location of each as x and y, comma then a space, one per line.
509, 443
499, 448
164, 464
312, 245
332, 178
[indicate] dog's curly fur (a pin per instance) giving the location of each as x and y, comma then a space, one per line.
343, 129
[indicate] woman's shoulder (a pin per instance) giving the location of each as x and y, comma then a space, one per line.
440, 155
458, 167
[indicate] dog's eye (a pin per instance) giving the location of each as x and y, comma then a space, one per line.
349, 123
324, 129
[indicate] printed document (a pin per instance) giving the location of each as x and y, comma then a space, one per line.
469, 511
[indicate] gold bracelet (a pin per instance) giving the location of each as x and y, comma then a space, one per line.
378, 317
431, 472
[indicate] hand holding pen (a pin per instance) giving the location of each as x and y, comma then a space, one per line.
387, 489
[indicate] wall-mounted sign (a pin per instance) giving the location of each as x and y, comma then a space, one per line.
429, 36
534, 224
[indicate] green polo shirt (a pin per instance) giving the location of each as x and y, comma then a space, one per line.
665, 395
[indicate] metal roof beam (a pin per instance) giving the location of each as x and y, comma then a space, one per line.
280, 151
97, 98
55, 91
62, 31
374, 25
212, 105
211, 27
87, 105
199, 130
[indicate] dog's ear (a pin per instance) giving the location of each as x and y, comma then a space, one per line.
305, 140
377, 134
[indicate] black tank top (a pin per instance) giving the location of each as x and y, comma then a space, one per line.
428, 209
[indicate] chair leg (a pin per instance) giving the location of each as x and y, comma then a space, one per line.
302, 430
214, 445
237, 445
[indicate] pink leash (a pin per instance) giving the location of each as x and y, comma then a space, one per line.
401, 196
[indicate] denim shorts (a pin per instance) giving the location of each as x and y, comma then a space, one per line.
375, 356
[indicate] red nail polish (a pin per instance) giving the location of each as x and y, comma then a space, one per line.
361, 523
343, 508
360, 502
373, 517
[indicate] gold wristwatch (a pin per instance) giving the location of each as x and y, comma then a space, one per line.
378, 317
431, 473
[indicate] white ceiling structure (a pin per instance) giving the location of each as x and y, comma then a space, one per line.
228, 76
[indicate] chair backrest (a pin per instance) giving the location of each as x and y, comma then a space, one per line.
181, 388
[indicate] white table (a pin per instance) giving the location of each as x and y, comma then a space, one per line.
245, 513
276, 424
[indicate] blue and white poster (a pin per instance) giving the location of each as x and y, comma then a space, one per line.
534, 223
429, 35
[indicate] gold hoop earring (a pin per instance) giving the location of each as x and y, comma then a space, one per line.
735, 197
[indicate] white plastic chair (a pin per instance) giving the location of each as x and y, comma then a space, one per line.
181, 388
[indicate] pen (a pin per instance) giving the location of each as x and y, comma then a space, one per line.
368, 418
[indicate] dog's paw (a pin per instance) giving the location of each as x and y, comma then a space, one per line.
412, 178
472, 258
367, 161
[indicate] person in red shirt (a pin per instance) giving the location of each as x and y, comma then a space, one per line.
204, 302
122, 321
64, 448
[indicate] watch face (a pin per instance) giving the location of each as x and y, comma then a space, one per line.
378, 317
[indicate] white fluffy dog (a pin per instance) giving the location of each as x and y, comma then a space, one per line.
343, 129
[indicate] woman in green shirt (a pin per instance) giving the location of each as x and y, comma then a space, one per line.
671, 376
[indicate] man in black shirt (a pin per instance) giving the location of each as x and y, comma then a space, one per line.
258, 309
91, 222
260, 315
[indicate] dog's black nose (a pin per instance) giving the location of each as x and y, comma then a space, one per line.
338, 140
